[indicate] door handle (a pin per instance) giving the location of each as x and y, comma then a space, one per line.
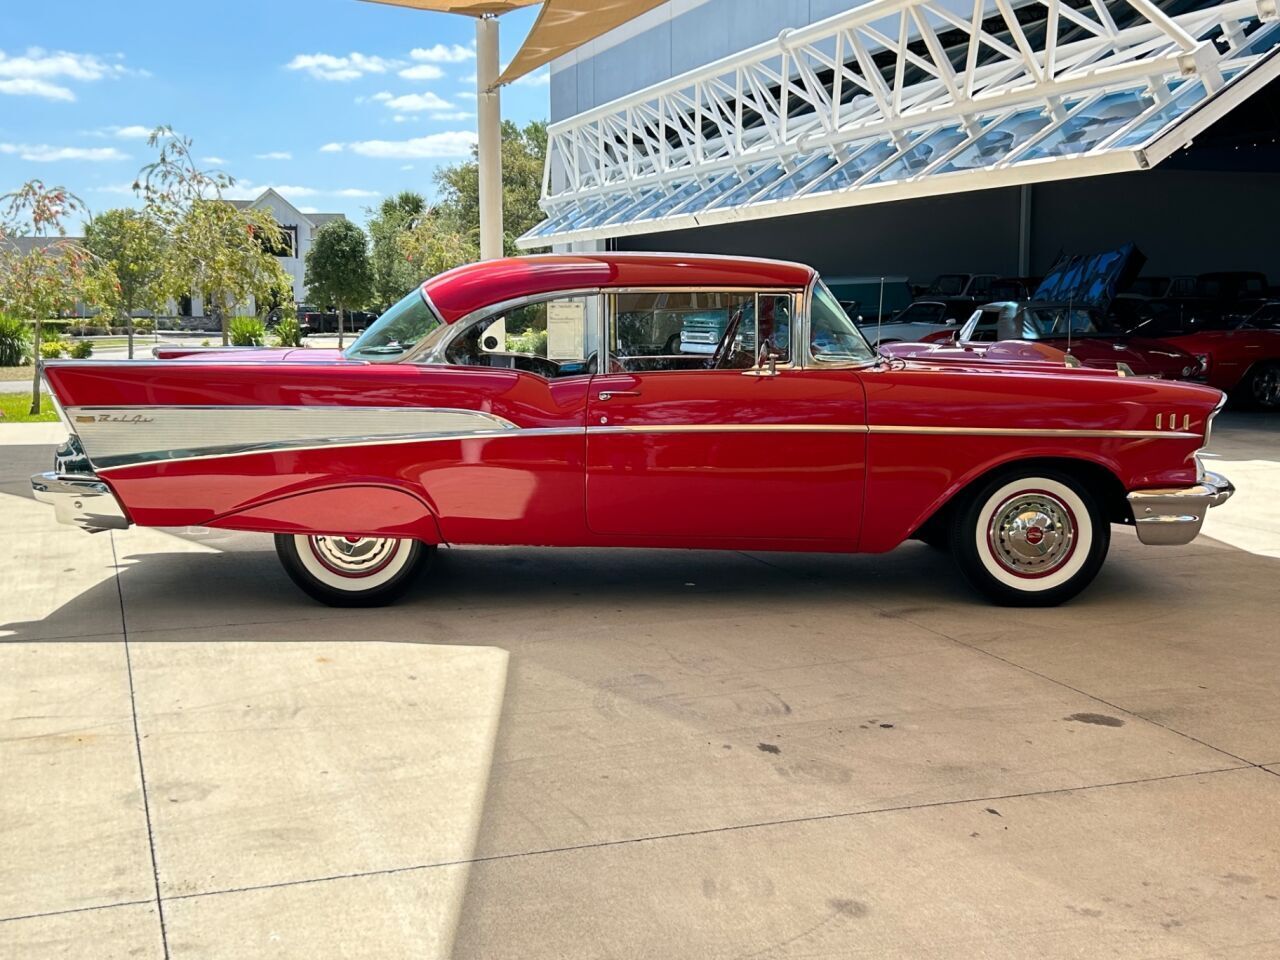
609, 394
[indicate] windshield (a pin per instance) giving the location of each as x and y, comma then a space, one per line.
949, 284
832, 335
1051, 322
395, 332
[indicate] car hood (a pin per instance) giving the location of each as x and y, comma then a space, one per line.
1147, 358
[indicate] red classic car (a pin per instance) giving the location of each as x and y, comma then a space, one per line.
1094, 341
543, 401
1240, 357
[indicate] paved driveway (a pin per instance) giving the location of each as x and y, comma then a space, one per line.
637, 754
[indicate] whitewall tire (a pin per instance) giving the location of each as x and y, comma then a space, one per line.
352, 571
1030, 539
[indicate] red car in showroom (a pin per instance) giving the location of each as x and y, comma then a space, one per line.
1240, 357
1058, 329
529, 401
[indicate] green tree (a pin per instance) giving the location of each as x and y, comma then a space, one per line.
524, 152
41, 282
393, 274
129, 254
338, 269
214, 247
430, 246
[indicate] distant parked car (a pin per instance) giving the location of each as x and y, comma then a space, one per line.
975, 286
919, 321
1093, 341
865, 299
1239, 357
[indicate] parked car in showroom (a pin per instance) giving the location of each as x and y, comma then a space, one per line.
919, 321
502, 403
1239, 357
1080, 332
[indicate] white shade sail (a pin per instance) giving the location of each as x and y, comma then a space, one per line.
905, 98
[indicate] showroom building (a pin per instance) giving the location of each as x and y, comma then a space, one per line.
917, 137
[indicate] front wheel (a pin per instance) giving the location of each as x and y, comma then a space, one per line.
1030, 540
352, 571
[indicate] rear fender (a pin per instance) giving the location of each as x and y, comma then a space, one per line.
364, 510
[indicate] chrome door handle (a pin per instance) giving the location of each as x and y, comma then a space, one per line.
610, 394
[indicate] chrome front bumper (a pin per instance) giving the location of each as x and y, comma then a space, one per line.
84, 502
1174, 515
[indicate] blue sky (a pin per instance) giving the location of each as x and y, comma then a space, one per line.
338, 102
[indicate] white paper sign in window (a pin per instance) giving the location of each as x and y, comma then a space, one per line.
565, 320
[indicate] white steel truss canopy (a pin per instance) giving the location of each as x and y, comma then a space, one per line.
906, 98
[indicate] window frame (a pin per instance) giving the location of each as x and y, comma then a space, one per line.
436, 356
799, 319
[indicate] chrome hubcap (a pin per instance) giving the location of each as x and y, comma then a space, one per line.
354, 556
1031, 533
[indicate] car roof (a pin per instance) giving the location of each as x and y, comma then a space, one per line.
460, 291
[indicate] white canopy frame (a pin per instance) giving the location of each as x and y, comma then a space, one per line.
810, 121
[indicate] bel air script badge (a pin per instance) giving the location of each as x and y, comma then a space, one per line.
116, 418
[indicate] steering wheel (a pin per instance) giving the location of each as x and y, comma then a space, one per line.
722, 352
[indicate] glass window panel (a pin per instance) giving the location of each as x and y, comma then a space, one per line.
699, 330
856, 167
1186, 96
713, 191
998, 142
1091, 125
551, 338
677, 196
749, 188
808, 170
921, 154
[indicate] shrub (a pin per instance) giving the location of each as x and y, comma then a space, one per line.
15, 342
531, 341
81, 350
205, 343
143, 325
288, 333
246, 332
52, 349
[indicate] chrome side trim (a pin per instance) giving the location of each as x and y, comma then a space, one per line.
284, 446
80, 502
118, 436
1036, 432
732, 428
1174, 515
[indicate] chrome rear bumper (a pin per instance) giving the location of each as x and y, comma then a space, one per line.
1174, 515
84, 502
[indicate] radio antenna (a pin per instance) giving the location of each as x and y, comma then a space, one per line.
879, 317
1069, 325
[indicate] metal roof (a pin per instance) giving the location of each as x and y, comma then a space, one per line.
906, 98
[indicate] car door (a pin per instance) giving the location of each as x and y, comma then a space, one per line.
738, 443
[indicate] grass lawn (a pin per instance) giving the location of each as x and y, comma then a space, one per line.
14, 407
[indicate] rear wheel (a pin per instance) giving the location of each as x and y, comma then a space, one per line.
352, 571
1262, 386
1030, 540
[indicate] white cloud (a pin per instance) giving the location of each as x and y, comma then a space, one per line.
539, 78
413, 102
309, 209
442, 53
212, 160
331, 148
422, 71
248, 190
133, 132
407, 166
114, 188
274, 155
47, 154
355, 192
453, 115
452, 143
30, 87
325, 66
32, 74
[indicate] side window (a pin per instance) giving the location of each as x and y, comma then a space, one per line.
699, 330
552, 338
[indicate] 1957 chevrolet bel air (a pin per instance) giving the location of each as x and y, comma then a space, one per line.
528, 401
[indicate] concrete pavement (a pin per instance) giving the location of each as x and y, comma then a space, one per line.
637, 754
